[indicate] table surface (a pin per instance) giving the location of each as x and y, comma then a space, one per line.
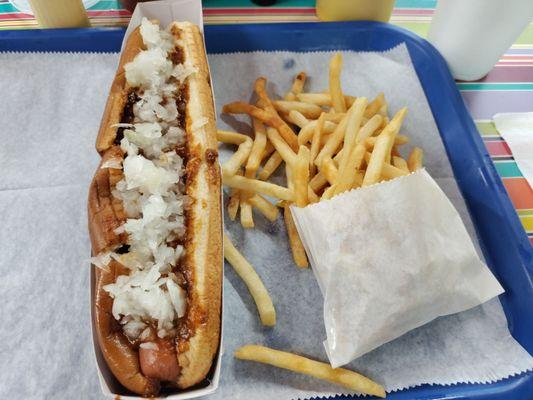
507, 88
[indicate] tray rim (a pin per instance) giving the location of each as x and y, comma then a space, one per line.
108, 40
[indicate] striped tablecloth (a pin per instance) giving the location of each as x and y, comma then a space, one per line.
507, 88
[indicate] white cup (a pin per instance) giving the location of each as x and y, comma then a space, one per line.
473, 34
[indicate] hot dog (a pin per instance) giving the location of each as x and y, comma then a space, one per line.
155, 214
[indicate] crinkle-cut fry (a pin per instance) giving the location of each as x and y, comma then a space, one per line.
270, 166
281, 146
231, 137
353, 125
270, 118
306, 109
258, 146
335, 88
254, 185
375, 105
315, 144
233, 203
415, 159
301, 177
307, 132
255, 285
238, 158
280, 359
323, 99
297, 118
378, 158
329, 170
368, 129
297, 86
398, 141
297, 248
399, 162
334, 141
269, 210
347, 176
247, 219
312, 196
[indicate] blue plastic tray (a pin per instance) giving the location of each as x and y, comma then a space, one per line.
503, 240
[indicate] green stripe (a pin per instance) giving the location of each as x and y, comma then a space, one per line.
487, 129
248, 3
420, 28
507, 169
526, 37
525, 212
494, 86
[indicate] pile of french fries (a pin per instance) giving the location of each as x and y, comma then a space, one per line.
330, 143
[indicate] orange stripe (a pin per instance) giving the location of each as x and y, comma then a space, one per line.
520, 192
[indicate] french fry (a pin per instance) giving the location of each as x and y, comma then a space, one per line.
306, 109
335, 117
358, 179
281, 146
238, 158
313, 197
301, 177
280, 359
334, 141
297, 248
318, 182
266, 208
231, 137
269, 149
335, 89
270, 166
268, 117
415, 159
254, 185
391, 172
399, 162
323, 99
233, 203
315, 143
368, 129
258, 146
307, 132
375, 105
297, 86
297, 118
378, 158
257, 289
247, 219
328, 193
355, 117
383, 110
347, 175
398, 141
329, 170
394, 127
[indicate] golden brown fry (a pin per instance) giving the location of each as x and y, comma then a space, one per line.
280, 359
258, 146
307, 132
297, 118
358, 179
257, 289
269, 210
335, 117
297, 248
394, 127
323, 99
307, 110
313, 197
375, 105
328, 193
231, 137
347, 176
398, 141
254, 185
399, 162
334, 141
378, 158
329, 170
270, 166
391, 172
355, 116
270, 118
369, 128
315, 144
301, 177
335, 89
238, 158
415, 159
233, 203
269, 149
297, 86
281, 146
247, 219
383, 110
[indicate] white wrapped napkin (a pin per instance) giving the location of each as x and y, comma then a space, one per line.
517, 130
390, 258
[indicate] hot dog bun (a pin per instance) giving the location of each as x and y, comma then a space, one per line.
198, 331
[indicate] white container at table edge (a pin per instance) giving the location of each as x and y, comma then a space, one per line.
473, 34
165, 11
